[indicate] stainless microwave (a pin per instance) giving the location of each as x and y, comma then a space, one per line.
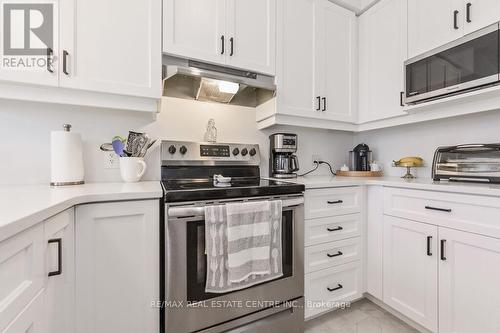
469, 63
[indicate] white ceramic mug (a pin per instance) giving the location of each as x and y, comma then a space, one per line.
132, 168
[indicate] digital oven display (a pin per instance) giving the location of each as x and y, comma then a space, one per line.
214, 151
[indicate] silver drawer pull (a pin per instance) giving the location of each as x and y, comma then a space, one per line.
448, 210
339, 286
339, 253
335, 229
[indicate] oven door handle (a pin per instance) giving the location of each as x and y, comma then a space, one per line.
184, 211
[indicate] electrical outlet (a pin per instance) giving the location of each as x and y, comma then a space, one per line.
316, 157
111, 160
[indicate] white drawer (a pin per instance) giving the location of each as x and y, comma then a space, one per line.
325, 289
332, 228
331, 254
21, 272
472, 213
332, 201
31, 319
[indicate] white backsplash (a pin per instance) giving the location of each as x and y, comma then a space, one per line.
422, 139
26, 127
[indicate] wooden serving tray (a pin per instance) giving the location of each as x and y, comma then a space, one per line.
360, 173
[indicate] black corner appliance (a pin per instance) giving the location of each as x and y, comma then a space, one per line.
360, 158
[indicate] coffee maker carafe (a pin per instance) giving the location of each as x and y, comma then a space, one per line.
282, 161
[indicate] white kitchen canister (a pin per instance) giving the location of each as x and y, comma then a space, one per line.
66, 157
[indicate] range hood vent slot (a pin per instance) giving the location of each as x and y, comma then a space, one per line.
200, 81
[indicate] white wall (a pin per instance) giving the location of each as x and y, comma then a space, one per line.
25, 128
423, 138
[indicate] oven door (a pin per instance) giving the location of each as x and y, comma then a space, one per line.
467, 63
188, 307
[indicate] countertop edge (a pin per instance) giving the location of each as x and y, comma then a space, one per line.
417, 184
13, 227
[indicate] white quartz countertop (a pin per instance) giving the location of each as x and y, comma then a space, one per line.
312, 182
22, 206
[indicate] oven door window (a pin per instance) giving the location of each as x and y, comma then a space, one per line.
196, 265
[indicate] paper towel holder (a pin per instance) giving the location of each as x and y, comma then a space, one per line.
75, 177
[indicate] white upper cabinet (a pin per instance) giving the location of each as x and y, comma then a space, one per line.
295, 57
236, 33
382, 52
432, 23
111, 46
469, 272
195, 29
480, 14
251, 29
335, 54
316, 59
410, 270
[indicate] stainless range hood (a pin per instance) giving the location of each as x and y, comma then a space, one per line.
190, 79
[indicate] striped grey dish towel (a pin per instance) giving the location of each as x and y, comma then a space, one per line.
243, 244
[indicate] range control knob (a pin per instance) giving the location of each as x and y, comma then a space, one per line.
236, 151
183, 150
253, 152
244, 152
172, 149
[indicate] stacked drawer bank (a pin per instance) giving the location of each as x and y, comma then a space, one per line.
333, 248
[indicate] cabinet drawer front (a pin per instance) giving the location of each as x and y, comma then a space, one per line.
31, 319
478, 214
332, 202
331, 254
21, 272
326, 288
327, 229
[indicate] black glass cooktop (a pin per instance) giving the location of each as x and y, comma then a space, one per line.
185, 190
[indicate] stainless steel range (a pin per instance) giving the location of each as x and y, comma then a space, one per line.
188, 171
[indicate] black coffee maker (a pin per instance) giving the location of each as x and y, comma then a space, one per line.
360, 158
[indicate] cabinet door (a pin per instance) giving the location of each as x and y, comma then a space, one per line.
21, 272
479, 14
335, 36
31, 319
410, 270
382, 52
111, 46
431, 24
295, 57
30, 68
117, 254
468, 283
251, 29
195, 29
60, 286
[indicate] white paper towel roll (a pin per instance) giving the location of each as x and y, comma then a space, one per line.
66, 157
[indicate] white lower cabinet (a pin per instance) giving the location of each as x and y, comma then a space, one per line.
117, 272
60, 284
410, 270
37, 278
31, 319
469, 272
326, 289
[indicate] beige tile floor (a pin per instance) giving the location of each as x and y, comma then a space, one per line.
362, 317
